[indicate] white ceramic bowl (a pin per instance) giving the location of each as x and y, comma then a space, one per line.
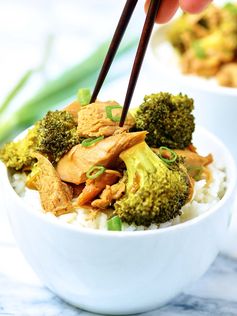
215, 106
122, 272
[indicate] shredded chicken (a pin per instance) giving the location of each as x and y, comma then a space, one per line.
196, 165
73, 166
193, 158
203, 67
109, 194
76, 189
55, 195
73, 108
227, 75
95, 186
93, 120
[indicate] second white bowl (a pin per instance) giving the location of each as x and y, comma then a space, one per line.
215, 106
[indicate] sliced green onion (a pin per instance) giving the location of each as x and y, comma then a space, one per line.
231, 7
109, 113
198, 50
95, 171
84, 96
91, 141
173, 155
114, 223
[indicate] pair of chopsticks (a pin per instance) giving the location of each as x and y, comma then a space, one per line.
141, 50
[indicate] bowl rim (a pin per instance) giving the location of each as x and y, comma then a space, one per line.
185, 79
229, 164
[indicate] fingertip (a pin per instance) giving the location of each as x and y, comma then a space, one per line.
146, 5
193, 6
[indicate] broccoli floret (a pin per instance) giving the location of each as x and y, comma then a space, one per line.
167, 118
52, 136
17, 155
155, 192
57, 133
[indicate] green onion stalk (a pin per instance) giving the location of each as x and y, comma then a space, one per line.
16, 89
57, 91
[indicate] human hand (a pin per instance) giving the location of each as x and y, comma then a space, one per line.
169, 7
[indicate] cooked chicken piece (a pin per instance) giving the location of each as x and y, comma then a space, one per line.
192, 148
93, 120
73, 108
194, 159
203, 67
109, 194
195, 164
95, 186
76, 189
73, 166
55, 196
227, 75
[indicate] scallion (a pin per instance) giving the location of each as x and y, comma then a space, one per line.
172, 154
91, 141
109, 113
198, 50
114, 223
58, 91
231, 7
84, 96
95, 171
16, 89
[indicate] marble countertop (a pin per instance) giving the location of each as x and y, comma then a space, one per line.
22, 294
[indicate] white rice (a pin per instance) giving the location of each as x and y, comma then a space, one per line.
205, 196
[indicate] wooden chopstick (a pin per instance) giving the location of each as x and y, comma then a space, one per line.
141, 50
117, 37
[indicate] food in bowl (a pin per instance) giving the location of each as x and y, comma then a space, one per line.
82, 266
207, 43
89, 172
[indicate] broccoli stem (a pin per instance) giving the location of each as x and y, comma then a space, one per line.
137, 159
